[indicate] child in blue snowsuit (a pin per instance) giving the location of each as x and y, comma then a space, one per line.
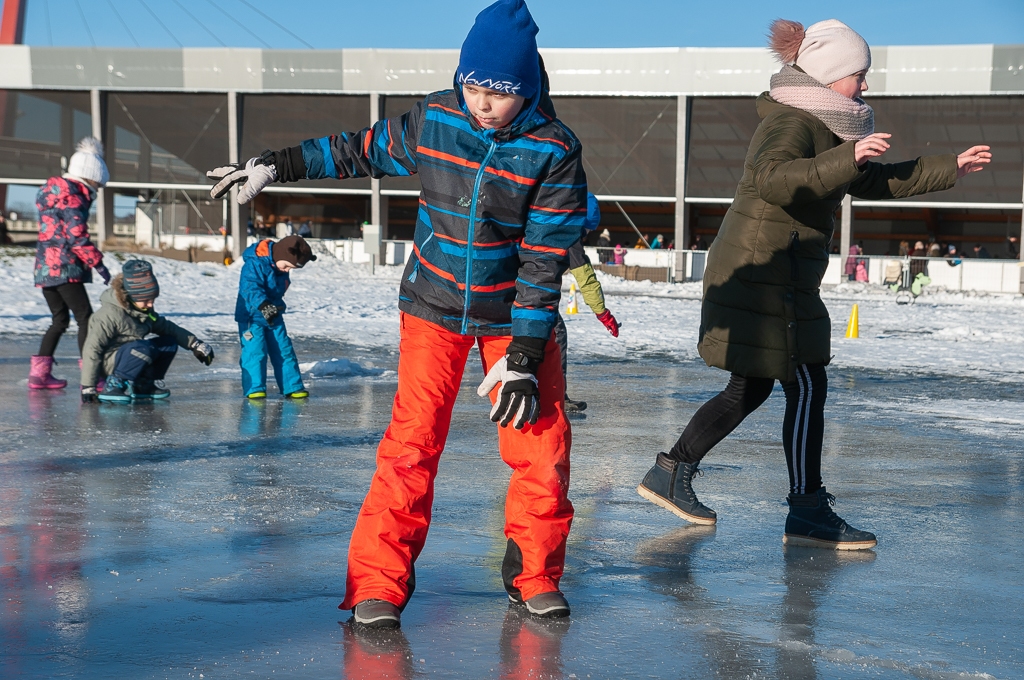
258, 311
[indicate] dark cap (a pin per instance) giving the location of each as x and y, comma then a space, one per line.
293, 249
139, 281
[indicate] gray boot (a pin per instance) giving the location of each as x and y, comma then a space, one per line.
669, 484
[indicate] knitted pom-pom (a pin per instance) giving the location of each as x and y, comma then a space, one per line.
785, 38
90, 145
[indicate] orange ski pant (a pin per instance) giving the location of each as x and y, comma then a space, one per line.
392, 525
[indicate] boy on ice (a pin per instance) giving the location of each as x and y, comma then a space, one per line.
258, 310
119, 347
503, 198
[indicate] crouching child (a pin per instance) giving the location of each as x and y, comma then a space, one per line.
119, 348
259, 312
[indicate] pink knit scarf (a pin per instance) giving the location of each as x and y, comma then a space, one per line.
849, 119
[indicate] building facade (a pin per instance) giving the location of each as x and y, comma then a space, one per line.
664, 131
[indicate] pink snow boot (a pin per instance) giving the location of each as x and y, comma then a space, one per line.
39, 377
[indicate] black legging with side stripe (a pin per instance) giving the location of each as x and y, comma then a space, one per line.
803, 428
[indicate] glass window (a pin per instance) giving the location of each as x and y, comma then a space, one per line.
880, 230
936, 125
720, 132
40, 128
629, 143
278, 121
334, 216
166, 138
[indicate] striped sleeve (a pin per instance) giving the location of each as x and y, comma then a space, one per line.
553, 224
385, 149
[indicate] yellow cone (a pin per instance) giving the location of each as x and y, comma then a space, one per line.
853, 327
573, 308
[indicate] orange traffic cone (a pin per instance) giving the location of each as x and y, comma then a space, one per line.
853, 326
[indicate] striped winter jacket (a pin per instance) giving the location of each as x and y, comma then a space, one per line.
498, 208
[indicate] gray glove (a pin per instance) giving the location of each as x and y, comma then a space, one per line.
202, 351
518, 401
254, 176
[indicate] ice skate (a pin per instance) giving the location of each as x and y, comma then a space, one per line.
669, 484
812, 523
116, 391
575, 406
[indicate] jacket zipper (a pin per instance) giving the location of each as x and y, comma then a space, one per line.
471, 234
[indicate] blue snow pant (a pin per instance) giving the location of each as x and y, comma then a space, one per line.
145, 358
259, 342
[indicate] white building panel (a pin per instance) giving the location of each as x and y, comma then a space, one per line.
222, 69
15, 66
945, 69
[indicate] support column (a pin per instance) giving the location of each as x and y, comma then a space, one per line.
238, 231
104, 197
1020, 240
376, 203
846, 227
682, 230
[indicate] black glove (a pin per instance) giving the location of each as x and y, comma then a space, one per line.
202, 351
519, 400
89, 395
269, 312
101, 269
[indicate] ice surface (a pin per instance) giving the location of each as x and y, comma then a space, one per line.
207, 535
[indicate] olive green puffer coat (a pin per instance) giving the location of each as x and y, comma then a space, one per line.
119, 322
762, 315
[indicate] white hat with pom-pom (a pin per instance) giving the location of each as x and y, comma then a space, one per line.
87, 162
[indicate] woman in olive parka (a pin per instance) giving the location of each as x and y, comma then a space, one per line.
762, 318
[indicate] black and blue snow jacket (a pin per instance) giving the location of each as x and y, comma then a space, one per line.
498, 208
260, 281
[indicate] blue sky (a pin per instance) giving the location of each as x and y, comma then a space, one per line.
297, 24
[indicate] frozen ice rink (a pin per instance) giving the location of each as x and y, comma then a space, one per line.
207, 536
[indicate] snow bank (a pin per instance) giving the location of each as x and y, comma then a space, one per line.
944, 333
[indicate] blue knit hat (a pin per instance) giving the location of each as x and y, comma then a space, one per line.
593, 219
139, 282
500, 52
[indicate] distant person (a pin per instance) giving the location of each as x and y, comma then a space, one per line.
851, 262
699, 244
129, 344
289, 228
259, 312
981, 252
762, 316
656, 243
918, 265
952, 256
643, 242
934, 249
604, 244
65, 256
593, 295
904, 250
306, 229
619, 254
4, 240
1013, 247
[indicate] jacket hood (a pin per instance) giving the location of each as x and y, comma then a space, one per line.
257, 250
537, 110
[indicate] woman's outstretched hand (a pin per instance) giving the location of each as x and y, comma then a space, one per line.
972, 160
870, 147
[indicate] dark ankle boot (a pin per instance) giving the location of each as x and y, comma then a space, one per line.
669, 484
812, 523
